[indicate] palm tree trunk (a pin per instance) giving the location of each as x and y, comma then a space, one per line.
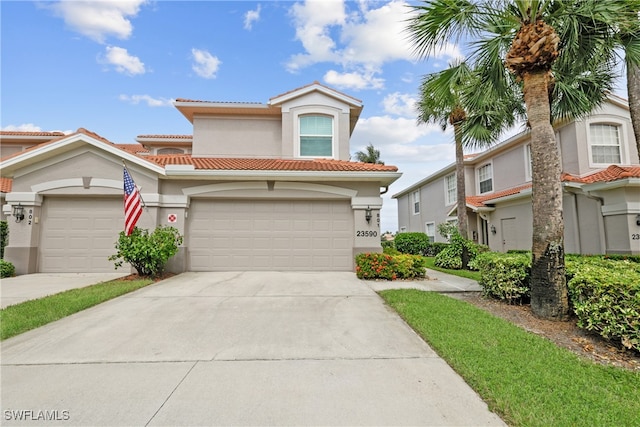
548, 282
463, 227
633, 91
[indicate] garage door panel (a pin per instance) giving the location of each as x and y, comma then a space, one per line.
79, 234
270, 235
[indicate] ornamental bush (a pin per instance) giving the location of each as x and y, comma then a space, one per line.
451, 256
6, 269
147, 252
504, 276
389, 267
4, 237
412, 243
605, 296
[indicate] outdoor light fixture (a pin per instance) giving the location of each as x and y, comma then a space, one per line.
493, 229
18, 212
367, 214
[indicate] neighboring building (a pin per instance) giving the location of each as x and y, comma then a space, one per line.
601, 182
257, 187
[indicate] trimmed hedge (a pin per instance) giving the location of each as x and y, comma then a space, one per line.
6, 269
504, 276
413, 243
604, 293
373, 265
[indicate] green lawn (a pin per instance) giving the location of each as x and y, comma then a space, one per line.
526, 379
28, 315
474, 275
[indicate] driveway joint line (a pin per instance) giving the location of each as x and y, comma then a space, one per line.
171, 394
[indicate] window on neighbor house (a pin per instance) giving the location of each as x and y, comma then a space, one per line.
605, 143
528, 163
415, 196
450, 189
316, 136
170, 151
430, 231
485, 178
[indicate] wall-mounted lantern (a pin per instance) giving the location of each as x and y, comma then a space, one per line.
18, 212
493, 229
367, 214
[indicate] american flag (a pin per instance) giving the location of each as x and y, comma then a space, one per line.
132, 205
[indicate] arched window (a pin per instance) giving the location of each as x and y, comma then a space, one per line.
604, 140
316, 136
170, 151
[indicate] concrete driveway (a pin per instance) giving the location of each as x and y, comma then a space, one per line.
231, 348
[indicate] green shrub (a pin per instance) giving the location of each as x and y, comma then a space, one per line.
4, 237
435, 248
6, 269
504, 276
451, 256
147, 252
605, 295
413, 243
389, 267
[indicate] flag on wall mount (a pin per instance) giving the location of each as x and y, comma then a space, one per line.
132, 203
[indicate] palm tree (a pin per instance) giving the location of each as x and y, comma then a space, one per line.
371, 155
563, 53
443, 101
629, 39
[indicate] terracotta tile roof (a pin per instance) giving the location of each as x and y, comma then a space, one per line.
612, 173
166, 136
21, 133
479, 201
215, 163
315, 83
132, 148
5, 185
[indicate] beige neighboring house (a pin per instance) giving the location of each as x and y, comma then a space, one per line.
601, 182
256, 187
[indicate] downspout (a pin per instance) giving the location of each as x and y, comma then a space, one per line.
386, 188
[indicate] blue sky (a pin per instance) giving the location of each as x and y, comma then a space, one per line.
114, 67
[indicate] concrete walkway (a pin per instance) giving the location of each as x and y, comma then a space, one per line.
234, 348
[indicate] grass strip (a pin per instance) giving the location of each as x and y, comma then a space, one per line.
524, 378
474, 275
19, 318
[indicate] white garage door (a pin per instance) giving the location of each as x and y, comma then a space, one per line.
78, 235
270, 235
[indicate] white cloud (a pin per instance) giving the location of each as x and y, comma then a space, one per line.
206, 65
400, 104
122, 61
99, 19
353, 80
250, 17
25, 127
149, 100
361, 40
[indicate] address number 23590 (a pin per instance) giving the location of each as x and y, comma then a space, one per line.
366, 233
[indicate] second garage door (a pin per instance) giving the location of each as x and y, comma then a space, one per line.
270, 235
78, 235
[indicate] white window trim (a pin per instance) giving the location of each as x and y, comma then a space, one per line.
477, 173
622, 133
315, 111
413, 202
447, 201
528, 163
426, 230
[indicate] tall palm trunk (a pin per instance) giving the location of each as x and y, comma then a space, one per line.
633, 91
463, 227
548, 282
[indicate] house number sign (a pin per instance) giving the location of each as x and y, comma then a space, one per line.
30, 218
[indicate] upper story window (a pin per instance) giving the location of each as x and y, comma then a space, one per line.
415, 197
170, 151
528, 163
316, 136
485, 178
450, 189
604, 140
